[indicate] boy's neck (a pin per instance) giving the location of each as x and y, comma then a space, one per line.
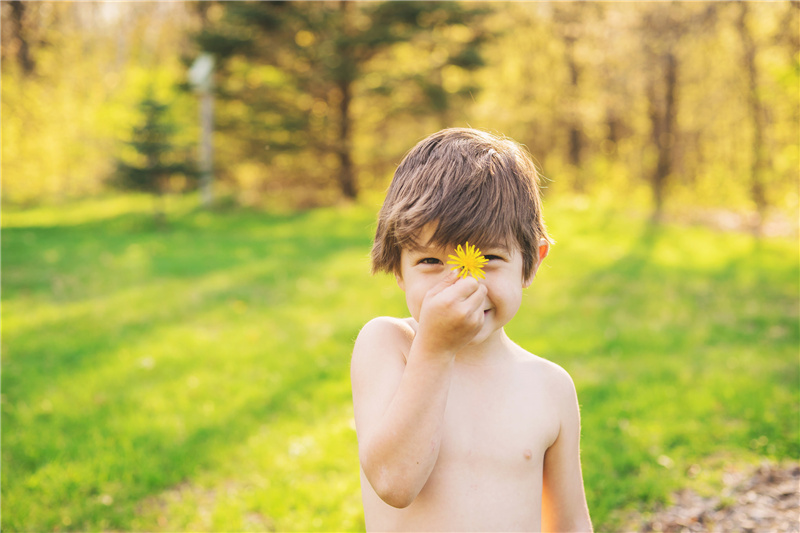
495, 349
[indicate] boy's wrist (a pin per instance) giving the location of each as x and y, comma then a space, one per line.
422, 348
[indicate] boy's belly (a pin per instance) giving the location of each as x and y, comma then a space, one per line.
481, 497
471, 490
485, 496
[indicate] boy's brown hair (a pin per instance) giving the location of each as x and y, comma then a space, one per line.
474, 186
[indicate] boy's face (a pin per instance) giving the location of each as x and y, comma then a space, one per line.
421, 269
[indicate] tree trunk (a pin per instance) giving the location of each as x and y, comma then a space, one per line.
346, 175
23, 51
757, 188
160, 208
347, 182
663, 122
575, 137
612, 137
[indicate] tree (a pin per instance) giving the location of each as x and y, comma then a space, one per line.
663, 27
757, 188
302, 61
24, 57
568, 20
155, 159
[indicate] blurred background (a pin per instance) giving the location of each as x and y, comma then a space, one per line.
663, 104
188, 198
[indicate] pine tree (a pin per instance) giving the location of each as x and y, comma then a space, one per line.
314, 52
156, 159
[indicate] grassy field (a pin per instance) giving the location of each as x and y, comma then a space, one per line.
197, 377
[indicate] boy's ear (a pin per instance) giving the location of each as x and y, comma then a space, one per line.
544, 249
400, 283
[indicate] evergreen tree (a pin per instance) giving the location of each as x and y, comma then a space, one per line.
155, 159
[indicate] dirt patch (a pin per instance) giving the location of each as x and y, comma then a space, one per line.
766, 500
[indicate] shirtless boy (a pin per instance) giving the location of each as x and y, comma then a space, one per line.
460, 429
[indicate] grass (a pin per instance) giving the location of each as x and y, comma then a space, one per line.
197, 377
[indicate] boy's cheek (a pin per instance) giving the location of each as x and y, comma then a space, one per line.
414, 306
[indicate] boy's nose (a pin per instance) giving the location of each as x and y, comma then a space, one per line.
482, 286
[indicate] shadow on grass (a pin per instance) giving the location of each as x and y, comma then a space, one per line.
255, 259
687, 349
200, 264
676, 351
192, 246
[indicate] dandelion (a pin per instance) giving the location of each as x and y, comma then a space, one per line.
470, 262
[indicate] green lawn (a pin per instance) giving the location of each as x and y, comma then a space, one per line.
196, 377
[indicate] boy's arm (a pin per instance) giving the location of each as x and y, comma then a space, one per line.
563, 499
399, 403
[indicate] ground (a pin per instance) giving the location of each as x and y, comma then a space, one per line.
766, 499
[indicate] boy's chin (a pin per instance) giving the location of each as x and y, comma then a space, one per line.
483, 335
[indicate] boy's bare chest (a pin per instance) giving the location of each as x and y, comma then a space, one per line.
501, 420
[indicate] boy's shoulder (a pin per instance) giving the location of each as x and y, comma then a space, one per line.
379, 356
388, 325
555, 376
388, 322
386, 332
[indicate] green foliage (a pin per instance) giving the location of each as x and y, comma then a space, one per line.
62, 125
527, 94
155, 159
197, 378
317, 98
289, 75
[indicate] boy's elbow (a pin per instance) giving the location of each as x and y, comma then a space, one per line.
393, 488
396, 496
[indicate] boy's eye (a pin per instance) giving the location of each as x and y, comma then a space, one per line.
429, 261
491, 257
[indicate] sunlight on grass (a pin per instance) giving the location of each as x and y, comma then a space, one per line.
196, 376
682, 343
91, 210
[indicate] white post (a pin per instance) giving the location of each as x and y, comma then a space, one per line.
207, 147
202, 80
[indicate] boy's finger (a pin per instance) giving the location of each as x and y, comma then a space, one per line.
466, 287
447, 281
475, 300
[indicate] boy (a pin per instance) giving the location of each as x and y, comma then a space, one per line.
460, 429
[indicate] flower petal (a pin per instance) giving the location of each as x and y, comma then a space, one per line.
470, 261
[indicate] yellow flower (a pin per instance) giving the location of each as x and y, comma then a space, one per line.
470, 262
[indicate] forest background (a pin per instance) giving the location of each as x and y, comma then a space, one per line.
680, 105
673, 113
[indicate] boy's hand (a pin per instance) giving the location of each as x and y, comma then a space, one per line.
451, 314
